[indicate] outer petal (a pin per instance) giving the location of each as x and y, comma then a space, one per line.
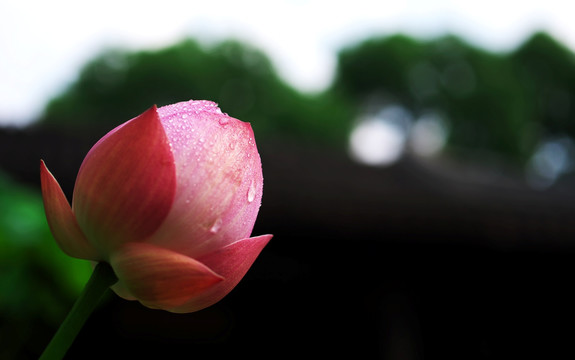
219, 185
232, 262
62, 221
126, 184
160, 278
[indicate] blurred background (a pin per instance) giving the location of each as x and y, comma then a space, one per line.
418, 159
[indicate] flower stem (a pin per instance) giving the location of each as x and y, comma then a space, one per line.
102, 278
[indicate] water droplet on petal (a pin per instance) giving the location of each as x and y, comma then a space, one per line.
252, 191
224, 120
216, 226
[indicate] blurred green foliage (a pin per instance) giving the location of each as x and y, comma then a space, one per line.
501, 103
38, 282
119, 85
546, 73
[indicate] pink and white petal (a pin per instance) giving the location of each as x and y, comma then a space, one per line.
231, 262
160, 278
220, 181
126, 184
62, 221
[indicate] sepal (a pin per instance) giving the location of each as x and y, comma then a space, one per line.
160, 278
62, 221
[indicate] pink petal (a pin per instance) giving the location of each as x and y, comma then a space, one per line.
160, 278
219, 179
126, 184
231, 262
62, 221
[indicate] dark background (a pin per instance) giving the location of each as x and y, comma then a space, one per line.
455, 256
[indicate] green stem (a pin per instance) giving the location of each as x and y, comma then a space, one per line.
102, 278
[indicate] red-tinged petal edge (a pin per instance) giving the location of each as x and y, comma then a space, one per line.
231, 262
62, 221
126, 184
160, 278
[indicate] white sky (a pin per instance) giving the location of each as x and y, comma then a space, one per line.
43, 44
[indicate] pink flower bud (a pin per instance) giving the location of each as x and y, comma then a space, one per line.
169, 199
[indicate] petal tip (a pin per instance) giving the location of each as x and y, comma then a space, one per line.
62, 220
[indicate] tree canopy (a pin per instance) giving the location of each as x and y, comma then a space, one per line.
119, 85
500, 102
